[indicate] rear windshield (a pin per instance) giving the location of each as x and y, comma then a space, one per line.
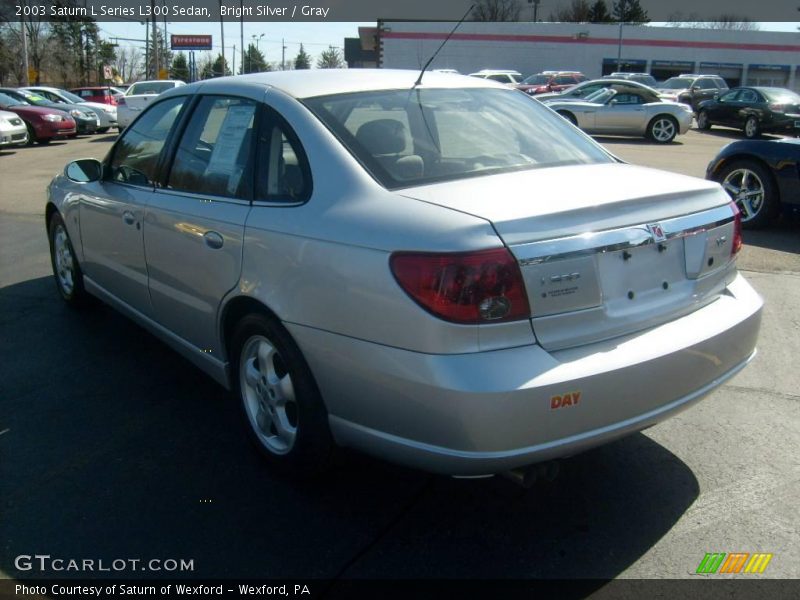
411, 137
151, 87
536, 79
781, 95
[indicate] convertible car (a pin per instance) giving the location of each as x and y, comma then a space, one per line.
627, 110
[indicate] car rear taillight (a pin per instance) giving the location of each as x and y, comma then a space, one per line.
465, 287
737, 229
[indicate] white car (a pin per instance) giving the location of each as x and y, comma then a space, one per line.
500, 76
106, 113
12, 130
138, 97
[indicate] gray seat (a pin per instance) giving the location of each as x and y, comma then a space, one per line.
385, 139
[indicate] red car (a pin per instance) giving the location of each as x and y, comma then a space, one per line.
103, 94
43, 124
550, 81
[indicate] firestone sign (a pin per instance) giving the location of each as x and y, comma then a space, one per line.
190, 42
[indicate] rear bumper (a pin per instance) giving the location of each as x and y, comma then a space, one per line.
488, 412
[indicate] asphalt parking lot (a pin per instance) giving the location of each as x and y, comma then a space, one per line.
112, 446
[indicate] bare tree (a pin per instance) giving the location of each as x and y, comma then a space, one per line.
128, 62
579, 11
496, 10
730, 22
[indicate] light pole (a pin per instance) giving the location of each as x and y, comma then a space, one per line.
619, 49
257, 38
222, 36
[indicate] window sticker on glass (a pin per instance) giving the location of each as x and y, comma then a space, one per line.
232, 132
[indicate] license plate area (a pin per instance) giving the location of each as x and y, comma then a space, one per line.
638, 279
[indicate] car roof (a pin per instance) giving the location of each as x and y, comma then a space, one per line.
323, 82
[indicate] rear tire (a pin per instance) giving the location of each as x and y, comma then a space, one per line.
662, 129
702, 121
66, 269
103, 129
752, 128
569, 117
280, 404
751, 187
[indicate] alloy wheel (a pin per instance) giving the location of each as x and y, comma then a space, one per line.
64, 261
663, 130
747, 190
268, 394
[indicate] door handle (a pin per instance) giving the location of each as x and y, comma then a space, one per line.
213, 240
128, 217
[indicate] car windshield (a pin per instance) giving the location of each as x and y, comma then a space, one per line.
149, 87
7, 100
677, 83
70, 96
601, 96
32, 98
536, 79
781, 96
410, 137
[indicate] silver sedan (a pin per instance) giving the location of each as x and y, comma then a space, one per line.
410, 269
622, 110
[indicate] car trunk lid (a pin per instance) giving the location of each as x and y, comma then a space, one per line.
604, 250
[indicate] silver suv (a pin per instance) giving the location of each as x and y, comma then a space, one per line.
692, 88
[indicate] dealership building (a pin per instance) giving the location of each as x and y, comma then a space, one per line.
764, 58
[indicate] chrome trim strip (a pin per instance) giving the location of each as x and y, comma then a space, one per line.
610, 240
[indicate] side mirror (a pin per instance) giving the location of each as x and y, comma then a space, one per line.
716, 96
84, 170
694, 88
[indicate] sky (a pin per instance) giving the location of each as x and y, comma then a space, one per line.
315, 37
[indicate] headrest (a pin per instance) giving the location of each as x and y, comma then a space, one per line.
382, 136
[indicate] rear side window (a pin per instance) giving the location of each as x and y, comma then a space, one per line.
136, 154
214, 154
282, 173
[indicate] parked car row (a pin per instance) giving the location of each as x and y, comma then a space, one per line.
45, 113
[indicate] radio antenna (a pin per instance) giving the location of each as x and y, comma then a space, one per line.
449, 35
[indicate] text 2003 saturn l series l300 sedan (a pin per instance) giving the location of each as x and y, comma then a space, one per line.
370, 262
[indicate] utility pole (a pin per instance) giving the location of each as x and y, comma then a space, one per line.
26, 77
233, 64
146, 50
283, 54
241, 32
155, 41
619, 49
222, 36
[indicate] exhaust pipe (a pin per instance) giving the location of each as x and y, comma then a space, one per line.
526, 477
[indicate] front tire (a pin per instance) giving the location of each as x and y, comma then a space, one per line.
103, 129
66, 269
280, 403
751, 187
662, 129
752, 128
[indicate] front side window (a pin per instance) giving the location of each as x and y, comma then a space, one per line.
705, 84
409, 137
748, 96
215, 151
135, 156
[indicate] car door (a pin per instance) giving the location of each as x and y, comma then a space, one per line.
749, 102
722, 111
194, 224
112, 210
624, 113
